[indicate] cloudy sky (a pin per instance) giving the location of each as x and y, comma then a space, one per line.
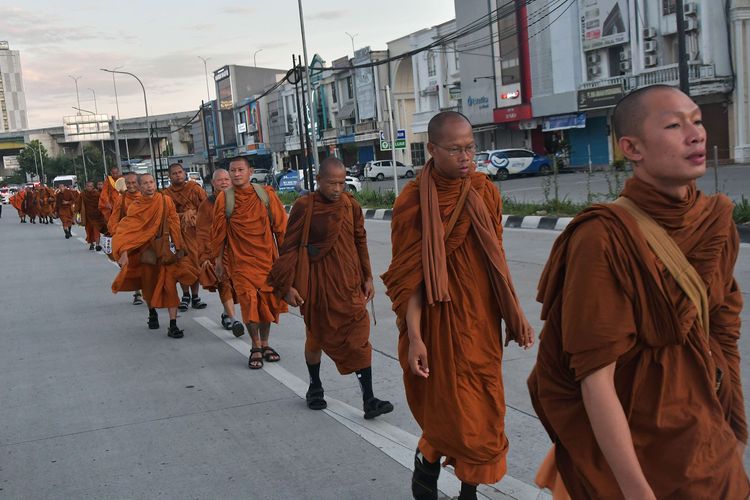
160, 41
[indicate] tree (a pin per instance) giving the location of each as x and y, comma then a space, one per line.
29, 159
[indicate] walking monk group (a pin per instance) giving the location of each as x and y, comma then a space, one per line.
118, 212
91, 218
204, 220
637, 380
450, 287
65, 208
141, 247
324, 269
249, 222
187, 197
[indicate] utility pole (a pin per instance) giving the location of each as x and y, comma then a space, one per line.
313, 128
78, 98
309, 171
393, 138
682, 62
104, 153
255, 62
205, 139
300, 126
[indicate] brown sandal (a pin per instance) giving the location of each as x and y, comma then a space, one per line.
255, 363
270, 354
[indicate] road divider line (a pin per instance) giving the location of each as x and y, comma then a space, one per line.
395, 442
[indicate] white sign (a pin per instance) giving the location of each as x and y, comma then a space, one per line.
221, 74
510, 95
86, 128
365, 86
11, 162
603, 23
242, 128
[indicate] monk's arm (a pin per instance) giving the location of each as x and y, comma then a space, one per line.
284, 268
612, 432
360, 240
279, 216
417, 349
218, 230
174, 225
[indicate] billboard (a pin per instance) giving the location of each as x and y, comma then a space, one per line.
365, 83
86, 128
603, 23
11, 162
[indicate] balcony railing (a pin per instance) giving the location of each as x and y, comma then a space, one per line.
665, 75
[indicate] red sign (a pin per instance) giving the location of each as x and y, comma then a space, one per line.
512, 114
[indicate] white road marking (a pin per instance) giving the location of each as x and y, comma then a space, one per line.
391, 440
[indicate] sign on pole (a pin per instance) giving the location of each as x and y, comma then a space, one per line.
401, 139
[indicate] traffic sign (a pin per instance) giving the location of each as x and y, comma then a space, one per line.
400, 143
385, 146
400, 134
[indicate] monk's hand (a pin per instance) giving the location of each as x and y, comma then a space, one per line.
369, 290
123, 261
418, 357
293, 298
219, 269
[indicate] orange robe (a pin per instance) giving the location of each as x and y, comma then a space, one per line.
120, 209
17, 202
335, 310
248, 243
64, 207
134, 233
203, 223
187, 198
461, 406
46, 201
108, 198
91, 217
30, 204
608, 299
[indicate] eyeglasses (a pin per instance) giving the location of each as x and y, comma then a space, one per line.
454, 151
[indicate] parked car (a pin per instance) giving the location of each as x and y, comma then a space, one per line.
163, 183
383, 169
357, 170
294, 180
260, 176
195, 177
5, 195
502, 163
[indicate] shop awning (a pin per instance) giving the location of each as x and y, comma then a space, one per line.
346, 110
562, 122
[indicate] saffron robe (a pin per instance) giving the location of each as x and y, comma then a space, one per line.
203, 222
64, 206
108, 198
120, 209
608, 299
335, 310
187, 198
249, 244
91, 217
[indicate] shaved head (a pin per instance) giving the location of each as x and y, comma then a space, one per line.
143, 176
330, 164
218, 172
632, 110
176, 165
440, 121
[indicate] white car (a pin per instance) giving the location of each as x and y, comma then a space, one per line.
383, 169
195, 177
500, 164
259, 175
353, 185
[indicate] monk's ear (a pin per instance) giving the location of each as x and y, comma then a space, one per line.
431, 148
631, 147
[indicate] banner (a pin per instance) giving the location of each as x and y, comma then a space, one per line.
603, 23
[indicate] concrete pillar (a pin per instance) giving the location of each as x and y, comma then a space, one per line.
740, 16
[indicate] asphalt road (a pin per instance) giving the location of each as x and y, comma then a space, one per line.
95, 405
576, 186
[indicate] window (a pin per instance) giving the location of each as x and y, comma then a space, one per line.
431, 64
417, 153
334, 94
668, 7
349, 87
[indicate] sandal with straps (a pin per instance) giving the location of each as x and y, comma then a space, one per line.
255, 363
184, 303
315, 399
270, 354
375, 407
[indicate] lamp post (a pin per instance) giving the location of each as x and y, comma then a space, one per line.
41, 161
78, 98
313, 128
351, 37
205, 70
117, 106
145, 105
255, 63
104, 154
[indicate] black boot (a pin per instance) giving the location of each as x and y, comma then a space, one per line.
425, 478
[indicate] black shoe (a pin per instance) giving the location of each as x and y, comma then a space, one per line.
184, 303
374, 408
238, 329
197, 303
424, 480
315, 398
226, 321
98, 248
67, 235
91, 247
153, 322
175, 332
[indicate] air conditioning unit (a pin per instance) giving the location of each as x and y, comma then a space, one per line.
625, 66
595, 70
649, 46
650, 60
649, 33
691, 9
593, 58
691, 24
625, 55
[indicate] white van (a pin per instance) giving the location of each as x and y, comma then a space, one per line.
69, 180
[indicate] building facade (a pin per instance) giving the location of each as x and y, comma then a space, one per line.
12, 96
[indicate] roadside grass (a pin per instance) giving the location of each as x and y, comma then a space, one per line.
742, 210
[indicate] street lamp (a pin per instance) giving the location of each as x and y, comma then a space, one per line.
352, 39
117, 105
41, 160
96, 112
145, 105
255, 54
309, 87
75, 79
205, 70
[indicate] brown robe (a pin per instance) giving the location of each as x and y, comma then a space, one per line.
134, 233
64, 206
248, 243
91, 217
460, 406
335, 310
608, 299
187, 198
120, 209
17, 201
203, 222
30, 204
46, 200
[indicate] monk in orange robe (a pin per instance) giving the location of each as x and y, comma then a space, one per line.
637, 380
91, 217
135, 233
119, 211
31, 204
339, 286
45, 203
187, 197
109, 194
249, 238
203, 223
450, 287
17, 201
64, 207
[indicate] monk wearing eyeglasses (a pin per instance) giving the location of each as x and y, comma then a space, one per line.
450, 287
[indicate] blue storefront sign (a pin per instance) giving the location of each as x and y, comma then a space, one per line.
290, 181
562, 122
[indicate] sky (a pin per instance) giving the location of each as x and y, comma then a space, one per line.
160, 41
